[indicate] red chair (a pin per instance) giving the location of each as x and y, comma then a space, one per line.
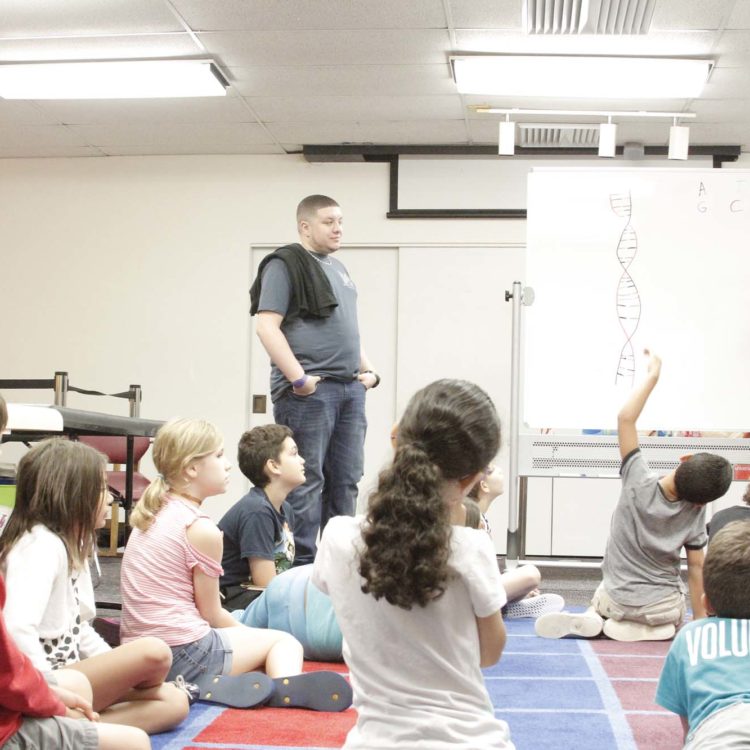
116, 450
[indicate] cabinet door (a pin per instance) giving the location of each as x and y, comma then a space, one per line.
454, 322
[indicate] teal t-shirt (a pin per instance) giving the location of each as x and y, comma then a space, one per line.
706, 669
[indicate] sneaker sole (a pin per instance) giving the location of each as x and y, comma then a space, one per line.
629, 632
534, 606
561, 624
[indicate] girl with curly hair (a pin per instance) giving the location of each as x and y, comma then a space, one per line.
417, 593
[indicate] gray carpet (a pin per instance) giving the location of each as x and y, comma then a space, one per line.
575, 585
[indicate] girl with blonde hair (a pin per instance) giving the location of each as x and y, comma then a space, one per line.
170, 586
61, 499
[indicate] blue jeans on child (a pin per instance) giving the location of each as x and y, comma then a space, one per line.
292, 603
329, 428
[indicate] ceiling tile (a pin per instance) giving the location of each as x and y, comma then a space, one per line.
290, 15
691, 14
172, 134
414, 131
93, 48
246, 49
343, 80
24, 113
47, 18
12, 136
37, 151
359, 108
740, 17
116, 111
174, 148
485, 14
683, 43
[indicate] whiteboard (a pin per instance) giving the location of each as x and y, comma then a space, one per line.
624, 259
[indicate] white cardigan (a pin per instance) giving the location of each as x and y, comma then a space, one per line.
41, 602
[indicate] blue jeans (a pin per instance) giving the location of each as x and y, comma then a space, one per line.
329, 428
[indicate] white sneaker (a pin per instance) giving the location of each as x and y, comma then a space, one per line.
627, 630
534, 606
560, 624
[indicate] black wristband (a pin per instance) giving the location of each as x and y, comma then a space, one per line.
377, 377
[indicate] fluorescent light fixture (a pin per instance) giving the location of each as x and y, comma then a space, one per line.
507, 140
679, 141
607, 139
584, 77
111, 79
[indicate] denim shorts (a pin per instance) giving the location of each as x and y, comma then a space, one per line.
205, 658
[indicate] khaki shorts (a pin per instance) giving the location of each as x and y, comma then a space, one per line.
726, 729
669, 611
56, 732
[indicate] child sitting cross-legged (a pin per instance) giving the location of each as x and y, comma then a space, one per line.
521, 584
641, 596
41, 710
705, 676
61, 499
258, 528
170, 587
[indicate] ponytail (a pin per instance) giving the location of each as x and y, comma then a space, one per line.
145, 510
449, 431
406, 539
178, 443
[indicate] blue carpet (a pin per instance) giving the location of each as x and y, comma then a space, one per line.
553, 694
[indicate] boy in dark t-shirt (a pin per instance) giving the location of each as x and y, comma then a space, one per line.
259, 528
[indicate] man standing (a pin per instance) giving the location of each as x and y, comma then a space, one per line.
307, 322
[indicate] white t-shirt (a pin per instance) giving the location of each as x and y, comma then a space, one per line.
415, 673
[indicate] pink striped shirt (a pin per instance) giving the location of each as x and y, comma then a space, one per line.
157, 579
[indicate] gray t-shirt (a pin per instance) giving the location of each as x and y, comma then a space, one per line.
328, 347
642, 561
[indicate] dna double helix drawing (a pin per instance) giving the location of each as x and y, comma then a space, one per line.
628, 301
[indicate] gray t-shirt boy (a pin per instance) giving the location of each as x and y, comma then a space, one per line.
328, 347
642, 560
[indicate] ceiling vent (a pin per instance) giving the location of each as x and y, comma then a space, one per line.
543, 135
587, 16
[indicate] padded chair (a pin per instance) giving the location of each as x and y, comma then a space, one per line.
116, 450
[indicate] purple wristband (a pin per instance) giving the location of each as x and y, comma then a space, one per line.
300, 381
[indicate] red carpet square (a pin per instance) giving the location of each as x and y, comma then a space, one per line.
617, 666
293, 727
654, 731
636, 695
642, 648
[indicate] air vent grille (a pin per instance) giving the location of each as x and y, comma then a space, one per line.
532, 135
588, 16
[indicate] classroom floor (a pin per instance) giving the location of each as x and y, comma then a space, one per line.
575, 585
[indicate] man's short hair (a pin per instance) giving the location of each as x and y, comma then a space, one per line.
256, 447
309, 206
702, 477
726, 571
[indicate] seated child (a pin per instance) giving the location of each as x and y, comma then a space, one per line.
61, 500
704, 679
258, 538
417, 594
521, 584
170, 587
641, 596
293, 603
35, 713
735, 513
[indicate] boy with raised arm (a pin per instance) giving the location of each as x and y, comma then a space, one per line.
642, 596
